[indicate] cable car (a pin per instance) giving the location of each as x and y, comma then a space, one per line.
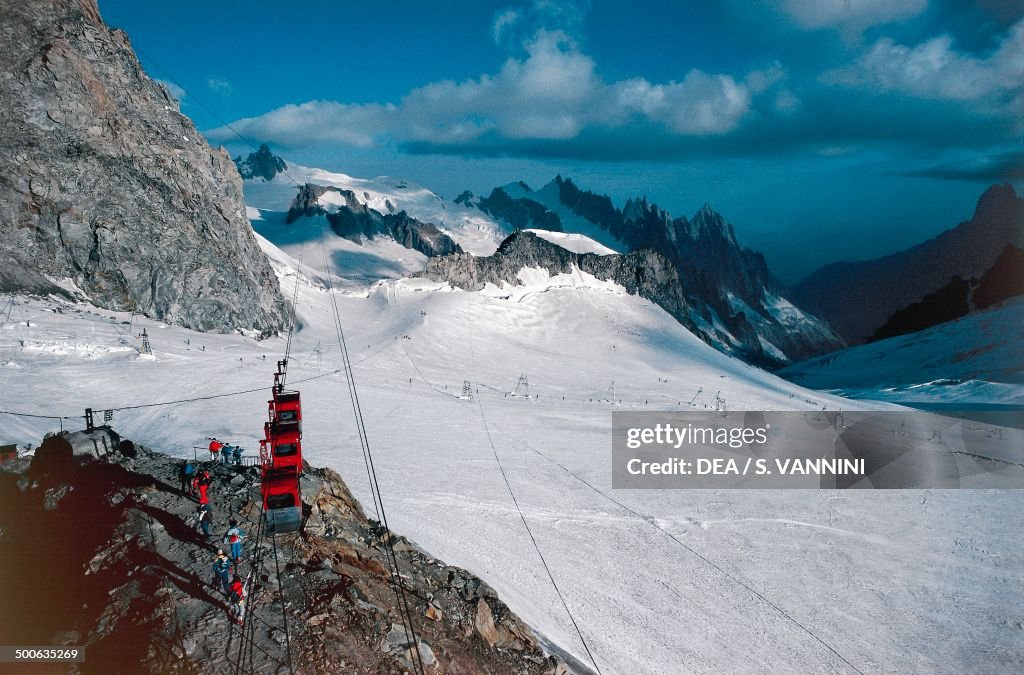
282, 501
285, 445
281, 458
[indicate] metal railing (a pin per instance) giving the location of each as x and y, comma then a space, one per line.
204, 452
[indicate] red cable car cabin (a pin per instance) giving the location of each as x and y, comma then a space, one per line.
286, 406
282, 502
281, 458
285, 446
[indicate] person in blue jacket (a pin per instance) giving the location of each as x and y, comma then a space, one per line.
233, 537
222, 568
186, 476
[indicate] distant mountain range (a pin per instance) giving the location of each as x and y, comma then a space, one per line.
859, 298
352, 219
720, 290
731, 298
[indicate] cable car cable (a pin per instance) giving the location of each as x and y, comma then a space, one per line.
399, 586
512, 494
706, 560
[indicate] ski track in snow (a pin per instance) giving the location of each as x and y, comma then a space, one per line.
920, 581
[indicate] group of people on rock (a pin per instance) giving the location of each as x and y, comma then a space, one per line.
224, 452
195, 484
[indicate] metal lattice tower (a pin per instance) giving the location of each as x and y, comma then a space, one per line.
522, 386
467, 390
146, 347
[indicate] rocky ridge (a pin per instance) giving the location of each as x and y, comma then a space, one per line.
960, 297
644, 272
107, 191
729, 288
128, 576
350, 218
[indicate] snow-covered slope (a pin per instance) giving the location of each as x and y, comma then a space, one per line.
474, 230
363, 263
736, 303
892, 580
978, 359
577, 243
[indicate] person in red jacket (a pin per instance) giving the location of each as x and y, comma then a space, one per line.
237, 596
215, 447
202, 484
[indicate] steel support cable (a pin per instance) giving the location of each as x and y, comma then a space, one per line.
399, 586
515, 501
700, 556
284, 609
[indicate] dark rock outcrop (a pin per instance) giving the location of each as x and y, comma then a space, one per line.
1004, 280
467, 198
645, 273
520, 213
960, 297
260, 164
354, 220
952, 301
105, 185
105, 553
857, 298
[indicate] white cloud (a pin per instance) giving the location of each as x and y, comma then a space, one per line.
503, 22
314, 122
852, 14
552, 93
936, 70
700, 105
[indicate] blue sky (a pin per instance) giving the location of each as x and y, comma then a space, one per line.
822, 129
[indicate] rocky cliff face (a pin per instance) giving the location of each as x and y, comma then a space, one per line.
519, 213
351, 218
106, 187
104, 552
857, 298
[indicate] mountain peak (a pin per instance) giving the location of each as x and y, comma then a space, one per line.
260, 164
997, 200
